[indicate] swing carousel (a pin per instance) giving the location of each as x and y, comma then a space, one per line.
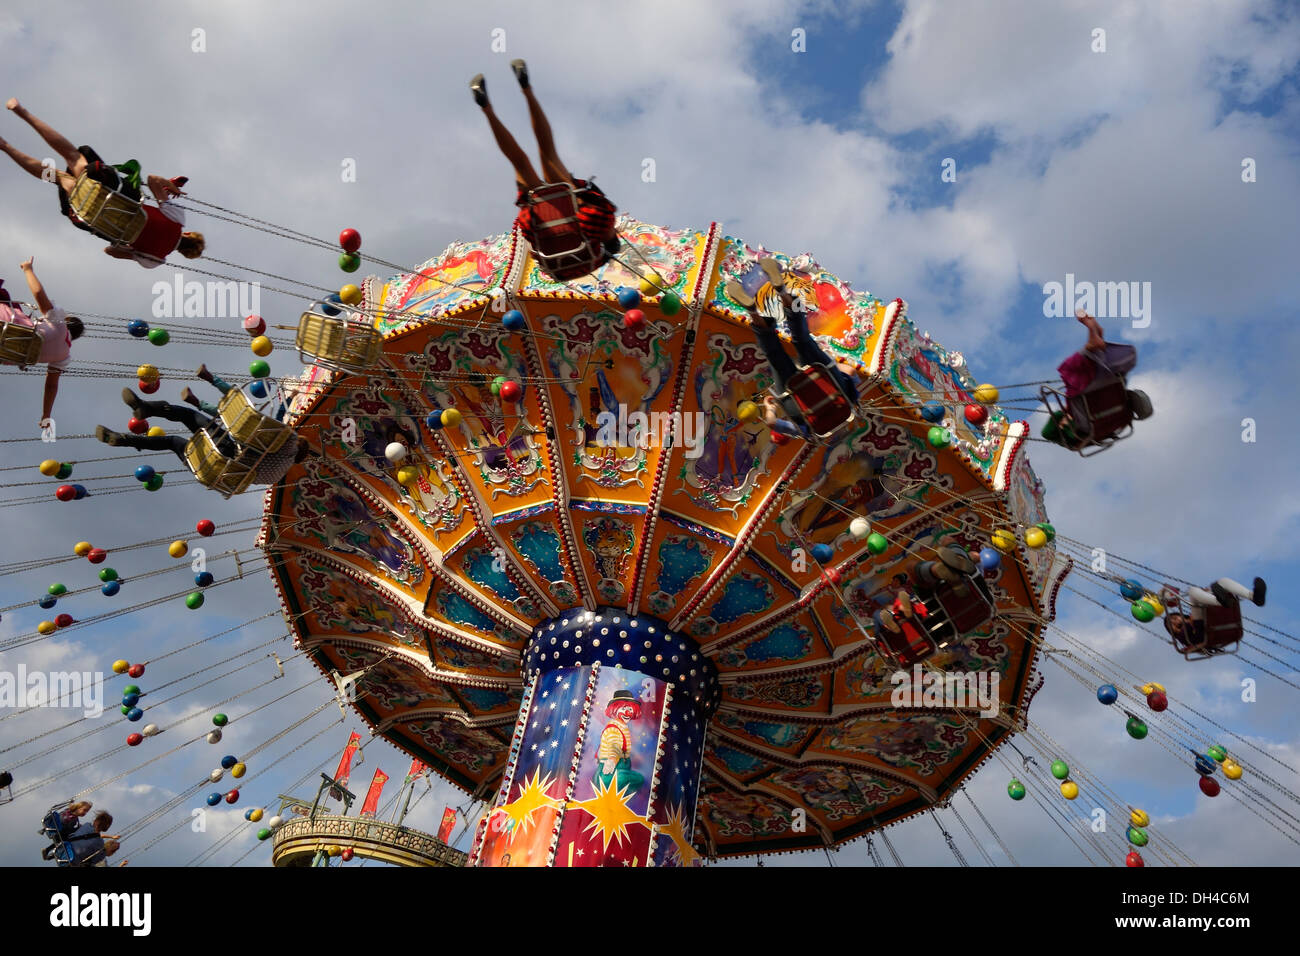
586, 584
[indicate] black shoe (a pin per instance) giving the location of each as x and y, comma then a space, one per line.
203, 373
1139, 404
1222, 595
612, 246
132, 400
108, 437
521, 72
189, 398
478, 86
1258, 595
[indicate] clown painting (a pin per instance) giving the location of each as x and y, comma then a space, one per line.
614, 758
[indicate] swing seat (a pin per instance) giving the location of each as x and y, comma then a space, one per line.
556, 237
1101, 414
52, 825
337, 343
1219, 633
110, 214
19, 344
248, 427
910, 647
229, 476
814, 395
959, 608
59, 834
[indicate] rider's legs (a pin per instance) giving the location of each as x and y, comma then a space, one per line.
810, 353
525, 175
56, 140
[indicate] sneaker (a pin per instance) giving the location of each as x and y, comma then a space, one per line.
478, 86
1259, 591
1223, 595
887, 619
736, 292
612, 246
772, 269
905, 603
956, 559
132, 400
108, 437
943, 572
520, 69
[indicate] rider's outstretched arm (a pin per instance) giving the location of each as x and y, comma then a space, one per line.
34, 284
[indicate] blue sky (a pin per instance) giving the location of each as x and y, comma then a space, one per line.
1122, 165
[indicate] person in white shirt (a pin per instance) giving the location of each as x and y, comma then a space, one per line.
57, 330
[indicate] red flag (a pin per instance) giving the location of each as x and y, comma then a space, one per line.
418, 767
345, 762
372, 796
448, 821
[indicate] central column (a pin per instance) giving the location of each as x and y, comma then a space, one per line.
604, 765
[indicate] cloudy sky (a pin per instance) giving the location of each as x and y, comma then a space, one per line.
1117, 165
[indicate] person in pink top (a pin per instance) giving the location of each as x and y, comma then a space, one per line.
57, 330
1080, 370
163, 233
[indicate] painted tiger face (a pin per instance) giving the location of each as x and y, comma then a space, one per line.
803, 289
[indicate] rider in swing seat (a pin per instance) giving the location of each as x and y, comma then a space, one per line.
825, 393
158, 229
568, 222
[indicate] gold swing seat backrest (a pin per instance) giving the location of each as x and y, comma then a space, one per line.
109, 213
213, 469
252, 430
338, 343
19, 344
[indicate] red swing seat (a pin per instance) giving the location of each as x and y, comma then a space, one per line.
911, 646
959, 608
1105, 406
816, 397
1218, 633
908, 648
555, 233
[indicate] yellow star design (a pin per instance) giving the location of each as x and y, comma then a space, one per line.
532, 797
675, 830
610, 814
